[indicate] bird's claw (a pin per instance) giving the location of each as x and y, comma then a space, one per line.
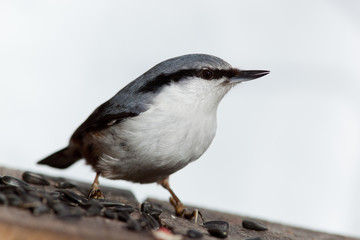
182, 211
95, 193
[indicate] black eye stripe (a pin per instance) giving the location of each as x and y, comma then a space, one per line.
219, 73
165, 79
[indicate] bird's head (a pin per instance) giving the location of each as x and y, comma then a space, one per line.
193, 68
192, 78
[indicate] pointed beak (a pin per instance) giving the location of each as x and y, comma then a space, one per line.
247, 75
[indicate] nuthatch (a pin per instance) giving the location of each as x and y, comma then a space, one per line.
156, 125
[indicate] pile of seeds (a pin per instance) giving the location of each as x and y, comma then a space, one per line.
66, 204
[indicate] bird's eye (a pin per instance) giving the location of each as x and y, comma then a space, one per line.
207, 74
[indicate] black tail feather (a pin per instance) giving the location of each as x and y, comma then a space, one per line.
61, 159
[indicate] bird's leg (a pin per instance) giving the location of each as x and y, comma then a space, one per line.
180, 209
95, 191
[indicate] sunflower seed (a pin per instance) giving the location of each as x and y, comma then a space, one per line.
145, 207
155, 213
124, 208
11, 181
192, 233
253, 225
66, 213
64, 185
34, 178
112, 204
150, 221
73, 197
217, 228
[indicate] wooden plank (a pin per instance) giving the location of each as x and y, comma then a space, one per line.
16, 223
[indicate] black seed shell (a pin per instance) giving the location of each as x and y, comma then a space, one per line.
253, 225
34, 178
194, 234
217, 228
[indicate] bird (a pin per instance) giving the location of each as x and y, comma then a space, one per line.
156, 125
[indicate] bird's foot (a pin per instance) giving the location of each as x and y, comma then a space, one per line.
95, 192
182, 211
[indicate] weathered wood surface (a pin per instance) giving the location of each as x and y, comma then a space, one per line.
21, 224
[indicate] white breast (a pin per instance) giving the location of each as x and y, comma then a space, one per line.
177, 129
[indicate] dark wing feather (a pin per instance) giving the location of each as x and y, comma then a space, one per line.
128, 102
105, 115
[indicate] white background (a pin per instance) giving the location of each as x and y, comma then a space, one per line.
287, 146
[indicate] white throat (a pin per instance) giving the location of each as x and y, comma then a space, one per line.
176, 130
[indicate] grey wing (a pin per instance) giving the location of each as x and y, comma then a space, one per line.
128, 102
108, 113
